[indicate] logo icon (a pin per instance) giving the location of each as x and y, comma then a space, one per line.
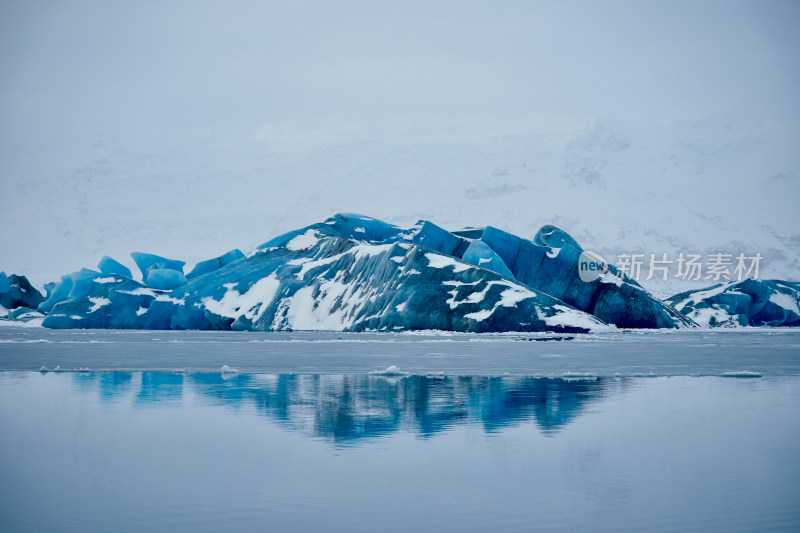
591, 266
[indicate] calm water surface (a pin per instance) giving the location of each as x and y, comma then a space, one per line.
589, 449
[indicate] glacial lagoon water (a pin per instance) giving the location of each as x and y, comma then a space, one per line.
635, 431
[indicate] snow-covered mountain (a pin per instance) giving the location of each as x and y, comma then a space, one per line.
694, 187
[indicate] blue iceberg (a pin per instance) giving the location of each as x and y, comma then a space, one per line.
749, 302
344, 285
103, 302
357, 273
613, 297
16, 291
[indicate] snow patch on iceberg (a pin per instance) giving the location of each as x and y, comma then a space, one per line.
251, 303
333, 305
304, 241
443, 261
97, 303
785, 301
703, 295
508, 298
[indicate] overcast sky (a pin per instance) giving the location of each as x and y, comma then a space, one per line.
155, 72
183, 128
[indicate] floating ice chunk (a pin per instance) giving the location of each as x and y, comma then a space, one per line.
391, 370
225, 369
44, 370
579, 376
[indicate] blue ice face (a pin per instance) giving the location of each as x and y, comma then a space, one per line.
5, 284
148, 261
165, 279
210, 265
108, 265
431, 236
480, 254
617, 300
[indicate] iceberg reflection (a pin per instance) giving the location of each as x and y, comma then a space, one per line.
160, 387
115, 384
350, 408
